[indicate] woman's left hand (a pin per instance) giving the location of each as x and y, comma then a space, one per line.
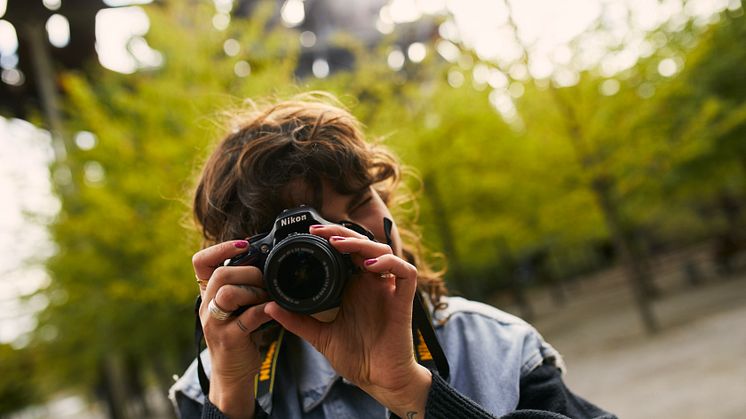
370, 341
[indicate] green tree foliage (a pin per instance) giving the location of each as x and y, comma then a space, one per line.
707, 108
624, 150
123, 287
17, 386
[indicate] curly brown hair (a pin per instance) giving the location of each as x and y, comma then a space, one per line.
312, 138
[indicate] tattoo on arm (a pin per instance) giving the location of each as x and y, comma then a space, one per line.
411, 415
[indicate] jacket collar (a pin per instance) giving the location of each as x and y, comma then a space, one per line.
313, 373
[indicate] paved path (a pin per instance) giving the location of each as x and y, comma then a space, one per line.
694, 368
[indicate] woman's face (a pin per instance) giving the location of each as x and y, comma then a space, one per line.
365, 208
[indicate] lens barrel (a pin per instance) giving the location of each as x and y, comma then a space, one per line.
304, 274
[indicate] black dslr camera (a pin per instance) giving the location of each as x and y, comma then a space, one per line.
302, 272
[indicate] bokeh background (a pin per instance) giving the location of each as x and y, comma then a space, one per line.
580, 163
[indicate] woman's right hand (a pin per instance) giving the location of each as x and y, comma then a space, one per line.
234, 354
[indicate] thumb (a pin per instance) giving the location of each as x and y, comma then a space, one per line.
301, 325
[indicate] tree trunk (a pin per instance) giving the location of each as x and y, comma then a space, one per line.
633, 263
518, 287
163, 378
44, 72
557, 291
136, 389
114, 387
516, 278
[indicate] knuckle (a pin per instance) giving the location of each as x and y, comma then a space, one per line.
389, 257
250, 318
212, 255
254, 270
203, 312
257, 293
226, 294
198, 258
207, 328
255, 277
220, 273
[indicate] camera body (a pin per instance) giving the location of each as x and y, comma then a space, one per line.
302, 272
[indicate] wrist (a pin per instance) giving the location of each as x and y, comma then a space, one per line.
410, 400
235, 400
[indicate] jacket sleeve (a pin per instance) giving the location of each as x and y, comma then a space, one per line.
543, 396
186, 408
543, 389
211, 412
190, 409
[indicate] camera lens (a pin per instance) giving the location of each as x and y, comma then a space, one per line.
303, 273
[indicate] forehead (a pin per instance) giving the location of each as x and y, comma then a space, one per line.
301, 192
322, 196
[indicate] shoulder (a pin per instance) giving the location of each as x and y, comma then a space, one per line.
476, 327
455, 306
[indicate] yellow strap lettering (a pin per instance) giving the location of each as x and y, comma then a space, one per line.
266, 368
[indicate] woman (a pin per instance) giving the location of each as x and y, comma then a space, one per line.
360, 360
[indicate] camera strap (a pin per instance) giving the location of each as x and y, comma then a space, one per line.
204, 382
264, 381
427, 349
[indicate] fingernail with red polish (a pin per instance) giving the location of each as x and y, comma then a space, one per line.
241, 244
369, 262
336, 238
316, 226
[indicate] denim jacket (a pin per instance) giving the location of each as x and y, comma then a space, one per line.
488, 352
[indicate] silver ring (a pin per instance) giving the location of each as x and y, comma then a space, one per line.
216, 312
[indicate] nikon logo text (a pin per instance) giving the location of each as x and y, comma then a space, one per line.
293, 219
